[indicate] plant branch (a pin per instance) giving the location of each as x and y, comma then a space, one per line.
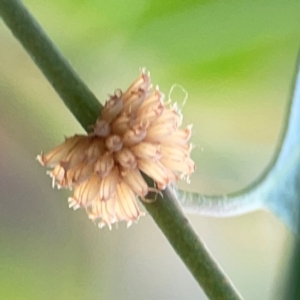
277, 189
82, 103
168, 216
220, 206
75, 94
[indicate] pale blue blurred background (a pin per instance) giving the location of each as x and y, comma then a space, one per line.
236, 60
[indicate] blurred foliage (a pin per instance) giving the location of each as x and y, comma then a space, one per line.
236, 60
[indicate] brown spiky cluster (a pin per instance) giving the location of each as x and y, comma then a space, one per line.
136, 132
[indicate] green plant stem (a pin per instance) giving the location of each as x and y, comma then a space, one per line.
81, 102
168, 216
73, 91
275, 183
277, 188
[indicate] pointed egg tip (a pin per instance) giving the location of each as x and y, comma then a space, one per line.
40, 159
101, 225
129, 223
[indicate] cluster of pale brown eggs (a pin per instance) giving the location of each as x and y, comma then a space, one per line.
136, 132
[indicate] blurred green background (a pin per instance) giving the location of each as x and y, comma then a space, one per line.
236, 60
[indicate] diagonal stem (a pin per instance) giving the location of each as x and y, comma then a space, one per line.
168, 216
55, 67
85, 107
